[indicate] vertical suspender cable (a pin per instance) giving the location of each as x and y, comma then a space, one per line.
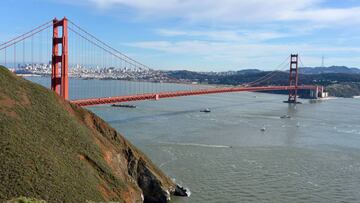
23, 54
5, 57
40, 47
14, 56
32, 51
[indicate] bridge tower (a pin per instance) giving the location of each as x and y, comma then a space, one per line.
59, 62
294, 77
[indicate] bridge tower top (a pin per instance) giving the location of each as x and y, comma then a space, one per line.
293, 78
59, 62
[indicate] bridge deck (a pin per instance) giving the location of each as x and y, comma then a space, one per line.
160, 95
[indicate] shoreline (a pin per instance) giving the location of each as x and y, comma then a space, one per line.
167, 82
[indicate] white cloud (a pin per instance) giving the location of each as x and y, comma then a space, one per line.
238, 32
245, 55
337, 15
224, 35
251, 50
235, 11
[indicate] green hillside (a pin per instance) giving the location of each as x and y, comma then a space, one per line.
58, 152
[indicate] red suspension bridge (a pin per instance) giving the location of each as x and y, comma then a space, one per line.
64, 50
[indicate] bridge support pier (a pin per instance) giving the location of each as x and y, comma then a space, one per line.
318, 93
157, 97
59, 63
293, 79
314, 94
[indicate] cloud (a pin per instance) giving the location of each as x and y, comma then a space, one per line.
216, 55
245, 33
223, 35
236, 11
233, 50
335, 15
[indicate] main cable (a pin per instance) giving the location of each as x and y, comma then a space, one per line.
270, 75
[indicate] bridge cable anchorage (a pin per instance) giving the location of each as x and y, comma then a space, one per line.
270, 75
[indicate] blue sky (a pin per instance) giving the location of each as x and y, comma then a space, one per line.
207, 35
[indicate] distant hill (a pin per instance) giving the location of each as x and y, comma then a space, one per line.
192, 75
331, 69
248, 71
59, 152
347, 80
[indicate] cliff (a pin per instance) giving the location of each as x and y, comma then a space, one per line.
58, 152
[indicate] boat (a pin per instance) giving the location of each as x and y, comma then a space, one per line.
207, 110
124, 105
285, 116
263, 129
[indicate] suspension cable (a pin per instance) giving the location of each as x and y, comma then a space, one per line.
108, 46
104, 49
270, 75
33, 30
23, 38
302, 65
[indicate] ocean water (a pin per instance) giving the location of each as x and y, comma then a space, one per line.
223, 156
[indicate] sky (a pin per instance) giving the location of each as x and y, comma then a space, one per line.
206, 35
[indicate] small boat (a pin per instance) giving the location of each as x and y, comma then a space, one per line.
263, 129
124, 105
207, 110
285, 116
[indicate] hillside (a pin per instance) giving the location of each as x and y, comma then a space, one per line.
331, 69
338, 81
59, 152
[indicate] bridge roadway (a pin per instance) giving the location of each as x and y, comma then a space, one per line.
160, 95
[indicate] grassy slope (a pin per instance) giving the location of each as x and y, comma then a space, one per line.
58, 152
25, 200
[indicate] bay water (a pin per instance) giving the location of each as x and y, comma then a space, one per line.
225, 156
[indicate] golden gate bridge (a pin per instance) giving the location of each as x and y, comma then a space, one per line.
65, 45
